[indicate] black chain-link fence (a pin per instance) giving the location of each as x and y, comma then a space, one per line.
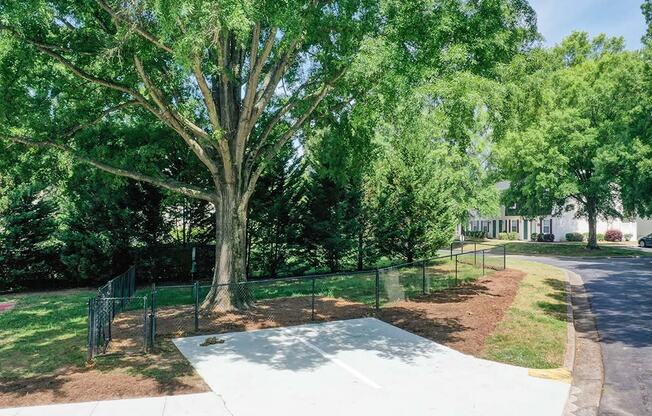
181, 310
121, 318
114, 298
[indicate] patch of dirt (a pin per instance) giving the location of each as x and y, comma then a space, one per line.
461, 317
112, 377
4, 307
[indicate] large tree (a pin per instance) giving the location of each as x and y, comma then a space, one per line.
573, 130
235, 80
222, 75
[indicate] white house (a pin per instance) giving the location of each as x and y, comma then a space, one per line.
510, 221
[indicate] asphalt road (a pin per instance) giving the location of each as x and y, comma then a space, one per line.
621, 299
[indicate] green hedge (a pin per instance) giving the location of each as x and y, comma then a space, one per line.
574, 237
508, 236
477, 234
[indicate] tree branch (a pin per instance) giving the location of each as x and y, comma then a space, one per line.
272, 79
166, 183
133, 25
172, 119
274, 121
206, 93
157, 96
71, 132
283, 139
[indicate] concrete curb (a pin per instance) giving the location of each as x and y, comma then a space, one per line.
588, 372
569, 357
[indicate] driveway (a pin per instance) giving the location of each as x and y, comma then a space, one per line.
621, 299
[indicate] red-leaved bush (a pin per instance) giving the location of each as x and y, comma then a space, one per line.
613, 235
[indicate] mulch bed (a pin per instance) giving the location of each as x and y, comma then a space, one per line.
461, 318
88, 384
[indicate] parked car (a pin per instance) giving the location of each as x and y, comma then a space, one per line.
645, 241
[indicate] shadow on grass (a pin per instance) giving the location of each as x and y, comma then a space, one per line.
557, 308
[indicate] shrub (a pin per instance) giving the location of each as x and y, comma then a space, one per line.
545, 238
574, 237
600, 237
534, 237
613, 235
628, 237
475, 235
508, 236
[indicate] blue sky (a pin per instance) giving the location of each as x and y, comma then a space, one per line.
558, 18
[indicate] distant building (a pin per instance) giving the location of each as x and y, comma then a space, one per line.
509, 220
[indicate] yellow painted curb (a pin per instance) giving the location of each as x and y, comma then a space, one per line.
559, 374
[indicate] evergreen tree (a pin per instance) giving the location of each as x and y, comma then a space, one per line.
274, 217
28, 251
105, 218
338, 158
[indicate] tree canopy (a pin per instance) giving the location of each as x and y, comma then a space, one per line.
572, 139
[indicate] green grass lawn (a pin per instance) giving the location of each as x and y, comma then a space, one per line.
46, 333
570, 249
533, 331
43, 333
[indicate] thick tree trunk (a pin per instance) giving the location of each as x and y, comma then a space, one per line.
592, 242
227, 292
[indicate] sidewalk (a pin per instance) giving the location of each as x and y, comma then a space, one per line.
202, 404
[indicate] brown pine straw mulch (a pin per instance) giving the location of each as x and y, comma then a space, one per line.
461, 318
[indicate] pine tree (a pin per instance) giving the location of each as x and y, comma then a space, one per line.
274, 215
28, 249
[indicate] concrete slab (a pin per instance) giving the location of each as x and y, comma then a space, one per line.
209, 404
362, 366
137, 407
201, 404
69, 409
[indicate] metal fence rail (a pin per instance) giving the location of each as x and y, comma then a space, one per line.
176, 310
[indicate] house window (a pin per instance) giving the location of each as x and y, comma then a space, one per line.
485, 226
514, 226
546, 226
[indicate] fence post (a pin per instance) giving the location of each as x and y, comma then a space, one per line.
451, 250
196, 291
152, 319
456, 257
312, 313
89, 354
145, 327
483, 262
504, 257
377, 290
423, 277
110, 323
